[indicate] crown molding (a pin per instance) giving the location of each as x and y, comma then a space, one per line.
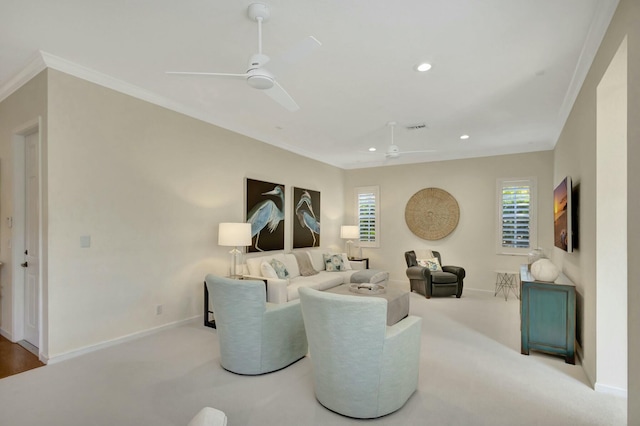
597, 30
63, 65
35, 65
45, 60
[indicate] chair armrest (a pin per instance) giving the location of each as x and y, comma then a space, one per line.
459, 271
419, 273
283, 335
395, 330
401, 360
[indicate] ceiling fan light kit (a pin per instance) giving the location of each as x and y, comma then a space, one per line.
260, 79
393, 151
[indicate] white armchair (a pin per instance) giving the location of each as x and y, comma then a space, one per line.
209, 417
362, 368
255, 337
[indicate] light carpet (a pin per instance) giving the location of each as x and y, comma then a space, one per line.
471, 373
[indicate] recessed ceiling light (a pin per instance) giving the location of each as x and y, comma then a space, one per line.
372, 149
423, 67
464, 137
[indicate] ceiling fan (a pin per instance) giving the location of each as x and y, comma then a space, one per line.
256, 75
393, 151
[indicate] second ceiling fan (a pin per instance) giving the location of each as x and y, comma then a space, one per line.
393, 151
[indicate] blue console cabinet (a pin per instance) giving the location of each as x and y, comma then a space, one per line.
548, 315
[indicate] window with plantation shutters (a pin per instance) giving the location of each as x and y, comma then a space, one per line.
516, 215
367, 208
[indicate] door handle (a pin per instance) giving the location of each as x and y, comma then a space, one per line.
25, 264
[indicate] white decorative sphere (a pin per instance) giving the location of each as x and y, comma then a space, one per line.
544, 270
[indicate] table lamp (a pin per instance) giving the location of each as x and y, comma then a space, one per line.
349, 233
234, 235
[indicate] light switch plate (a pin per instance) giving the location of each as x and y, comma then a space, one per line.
85, 241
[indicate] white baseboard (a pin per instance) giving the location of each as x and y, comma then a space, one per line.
485, 290
6, 335
406, 282
611, 390
87, 349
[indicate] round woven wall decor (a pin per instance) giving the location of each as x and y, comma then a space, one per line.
432, 213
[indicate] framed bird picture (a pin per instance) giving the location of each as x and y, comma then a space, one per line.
306, 218
265, 213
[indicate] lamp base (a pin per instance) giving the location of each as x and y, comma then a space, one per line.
235, 254
347, 248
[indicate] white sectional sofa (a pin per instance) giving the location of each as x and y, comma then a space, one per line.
280, 290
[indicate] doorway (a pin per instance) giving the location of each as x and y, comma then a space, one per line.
611, 227
26, 237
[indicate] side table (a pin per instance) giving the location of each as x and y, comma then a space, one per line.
506, 281
363, 260
209, 321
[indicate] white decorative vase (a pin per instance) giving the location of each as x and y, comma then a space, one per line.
544, 270
535, 255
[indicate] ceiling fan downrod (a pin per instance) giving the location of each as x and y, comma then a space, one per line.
259, 78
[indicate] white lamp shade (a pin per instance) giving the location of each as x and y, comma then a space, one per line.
234, 234
349, 232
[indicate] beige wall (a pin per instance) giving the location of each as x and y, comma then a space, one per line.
149, 186
472, 182
24, 107
575, 155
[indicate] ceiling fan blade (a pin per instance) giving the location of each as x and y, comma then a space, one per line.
296, 53
300, 50
417, 152
397, 154
207, 74
278, 94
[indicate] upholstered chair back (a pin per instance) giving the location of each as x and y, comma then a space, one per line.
362, 368
255, 337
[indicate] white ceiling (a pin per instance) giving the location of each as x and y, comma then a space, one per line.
506, 72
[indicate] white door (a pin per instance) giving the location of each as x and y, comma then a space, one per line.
32, 243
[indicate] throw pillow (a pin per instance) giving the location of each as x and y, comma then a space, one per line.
281, 270
423, 254
345, 262
333, 262
304, 263
432, 264
267, 270
317, 259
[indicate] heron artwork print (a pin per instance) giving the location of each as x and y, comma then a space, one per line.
306, 225
265, 213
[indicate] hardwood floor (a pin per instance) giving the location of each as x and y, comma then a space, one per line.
15, 359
